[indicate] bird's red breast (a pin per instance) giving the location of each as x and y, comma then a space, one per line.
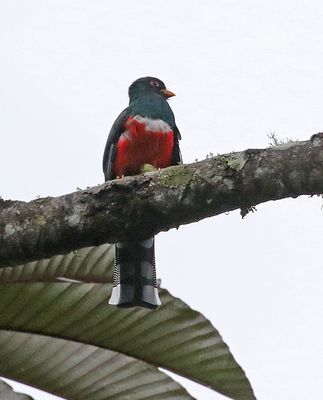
144, 141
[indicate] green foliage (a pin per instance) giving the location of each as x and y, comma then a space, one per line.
7, 393
58, 333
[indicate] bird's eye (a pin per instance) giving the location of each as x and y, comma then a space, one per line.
154, 83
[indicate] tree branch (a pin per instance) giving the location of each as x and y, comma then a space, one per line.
138, 207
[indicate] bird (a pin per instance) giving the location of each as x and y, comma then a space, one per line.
145, 133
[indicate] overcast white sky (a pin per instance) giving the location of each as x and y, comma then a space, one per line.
240, 69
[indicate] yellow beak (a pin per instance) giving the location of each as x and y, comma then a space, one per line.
167, 93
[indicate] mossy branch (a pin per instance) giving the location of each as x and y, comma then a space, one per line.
157, 201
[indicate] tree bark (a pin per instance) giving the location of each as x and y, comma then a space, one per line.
141, 206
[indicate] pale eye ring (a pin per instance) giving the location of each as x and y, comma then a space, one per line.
154, 83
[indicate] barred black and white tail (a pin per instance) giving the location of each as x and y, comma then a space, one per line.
134, 276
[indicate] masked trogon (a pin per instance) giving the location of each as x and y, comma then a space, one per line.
144, 133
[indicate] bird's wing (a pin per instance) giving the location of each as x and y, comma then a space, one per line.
111, 146
177, 156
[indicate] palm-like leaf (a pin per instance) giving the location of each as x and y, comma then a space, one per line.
91, 264
7, 393
76, 371
173, 337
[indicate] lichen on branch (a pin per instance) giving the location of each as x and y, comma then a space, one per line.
146, 204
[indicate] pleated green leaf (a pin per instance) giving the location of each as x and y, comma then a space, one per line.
82, 372
90, 264
7, 393
173, 337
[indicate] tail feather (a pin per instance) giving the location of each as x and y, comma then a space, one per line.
134, 278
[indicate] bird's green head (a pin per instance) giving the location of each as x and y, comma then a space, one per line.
149, 86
